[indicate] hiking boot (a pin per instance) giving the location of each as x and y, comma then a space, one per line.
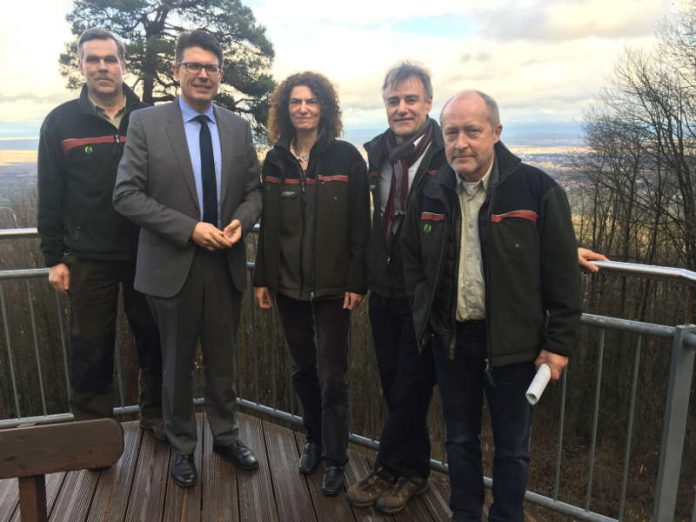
401, 492
366, 492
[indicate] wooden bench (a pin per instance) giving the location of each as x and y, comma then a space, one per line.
29, 452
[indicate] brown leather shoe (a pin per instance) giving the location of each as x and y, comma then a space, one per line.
156, 426
366, 492
400, 493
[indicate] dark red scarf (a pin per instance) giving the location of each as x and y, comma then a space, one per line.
401, 158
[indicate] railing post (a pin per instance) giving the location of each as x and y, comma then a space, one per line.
674, 428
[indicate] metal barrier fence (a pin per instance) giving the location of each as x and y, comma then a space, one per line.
270, 398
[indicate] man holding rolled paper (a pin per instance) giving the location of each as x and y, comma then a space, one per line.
491, 265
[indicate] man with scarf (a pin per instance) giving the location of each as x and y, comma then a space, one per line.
399, 159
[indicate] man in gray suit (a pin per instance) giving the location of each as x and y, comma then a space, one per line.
189, 177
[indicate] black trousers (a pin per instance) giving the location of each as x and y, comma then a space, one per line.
317, 336
407, 377
94, 289
207, 309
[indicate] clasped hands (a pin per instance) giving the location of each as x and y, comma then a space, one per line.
211, 237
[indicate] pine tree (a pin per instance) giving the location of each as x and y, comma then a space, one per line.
150, 29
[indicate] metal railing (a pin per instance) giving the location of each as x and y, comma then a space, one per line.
682, 339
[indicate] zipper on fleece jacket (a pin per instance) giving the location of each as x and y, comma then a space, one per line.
313, 253
453, 305
431, 295
302, 215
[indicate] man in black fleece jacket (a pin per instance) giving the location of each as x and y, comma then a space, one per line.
88, 247
491, 263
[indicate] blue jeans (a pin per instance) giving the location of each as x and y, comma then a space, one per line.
462, 381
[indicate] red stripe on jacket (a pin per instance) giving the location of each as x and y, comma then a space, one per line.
72, 143
338, 177
529, 215
429, 216
308, 181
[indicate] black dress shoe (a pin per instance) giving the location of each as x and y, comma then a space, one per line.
184, 470
332, 482
309, 460
238, 454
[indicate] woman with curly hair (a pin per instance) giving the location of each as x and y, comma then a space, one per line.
311, 257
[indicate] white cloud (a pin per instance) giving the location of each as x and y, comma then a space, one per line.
542, 59
32, 35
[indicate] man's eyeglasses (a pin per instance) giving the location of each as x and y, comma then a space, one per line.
196, 68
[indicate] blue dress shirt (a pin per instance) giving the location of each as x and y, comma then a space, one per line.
192, 128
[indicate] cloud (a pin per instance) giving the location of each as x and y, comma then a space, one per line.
554, 21
537, 57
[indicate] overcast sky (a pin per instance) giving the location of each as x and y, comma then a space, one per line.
543, 60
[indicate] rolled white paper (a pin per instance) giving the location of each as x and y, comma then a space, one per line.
536, 388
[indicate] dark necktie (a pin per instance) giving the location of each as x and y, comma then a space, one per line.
210, 214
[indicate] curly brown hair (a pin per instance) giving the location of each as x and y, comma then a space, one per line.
279, 125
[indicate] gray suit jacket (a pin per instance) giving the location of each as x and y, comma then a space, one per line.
155, 189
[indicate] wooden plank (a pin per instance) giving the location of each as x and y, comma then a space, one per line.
184, 504
32, 498
325, 508
75, 497
113, 489
294, 503
436, 500
219, 483
415, 510
255, 488
54, 484
358, 468
9, 498
146, 500
34, 450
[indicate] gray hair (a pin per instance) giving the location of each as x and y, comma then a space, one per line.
491, 105
405, 70
99, 33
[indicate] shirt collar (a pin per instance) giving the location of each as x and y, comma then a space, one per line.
189, 113
483, 182
99, 111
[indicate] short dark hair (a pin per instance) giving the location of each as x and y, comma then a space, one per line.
198, 38
99, 33
405, 70
279, 125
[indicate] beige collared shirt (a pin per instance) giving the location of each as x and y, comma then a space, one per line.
471, 291
116, 120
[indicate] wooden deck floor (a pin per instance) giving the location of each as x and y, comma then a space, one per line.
138, 487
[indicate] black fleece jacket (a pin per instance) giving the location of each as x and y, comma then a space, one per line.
529, 255
79, 153
314, 224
